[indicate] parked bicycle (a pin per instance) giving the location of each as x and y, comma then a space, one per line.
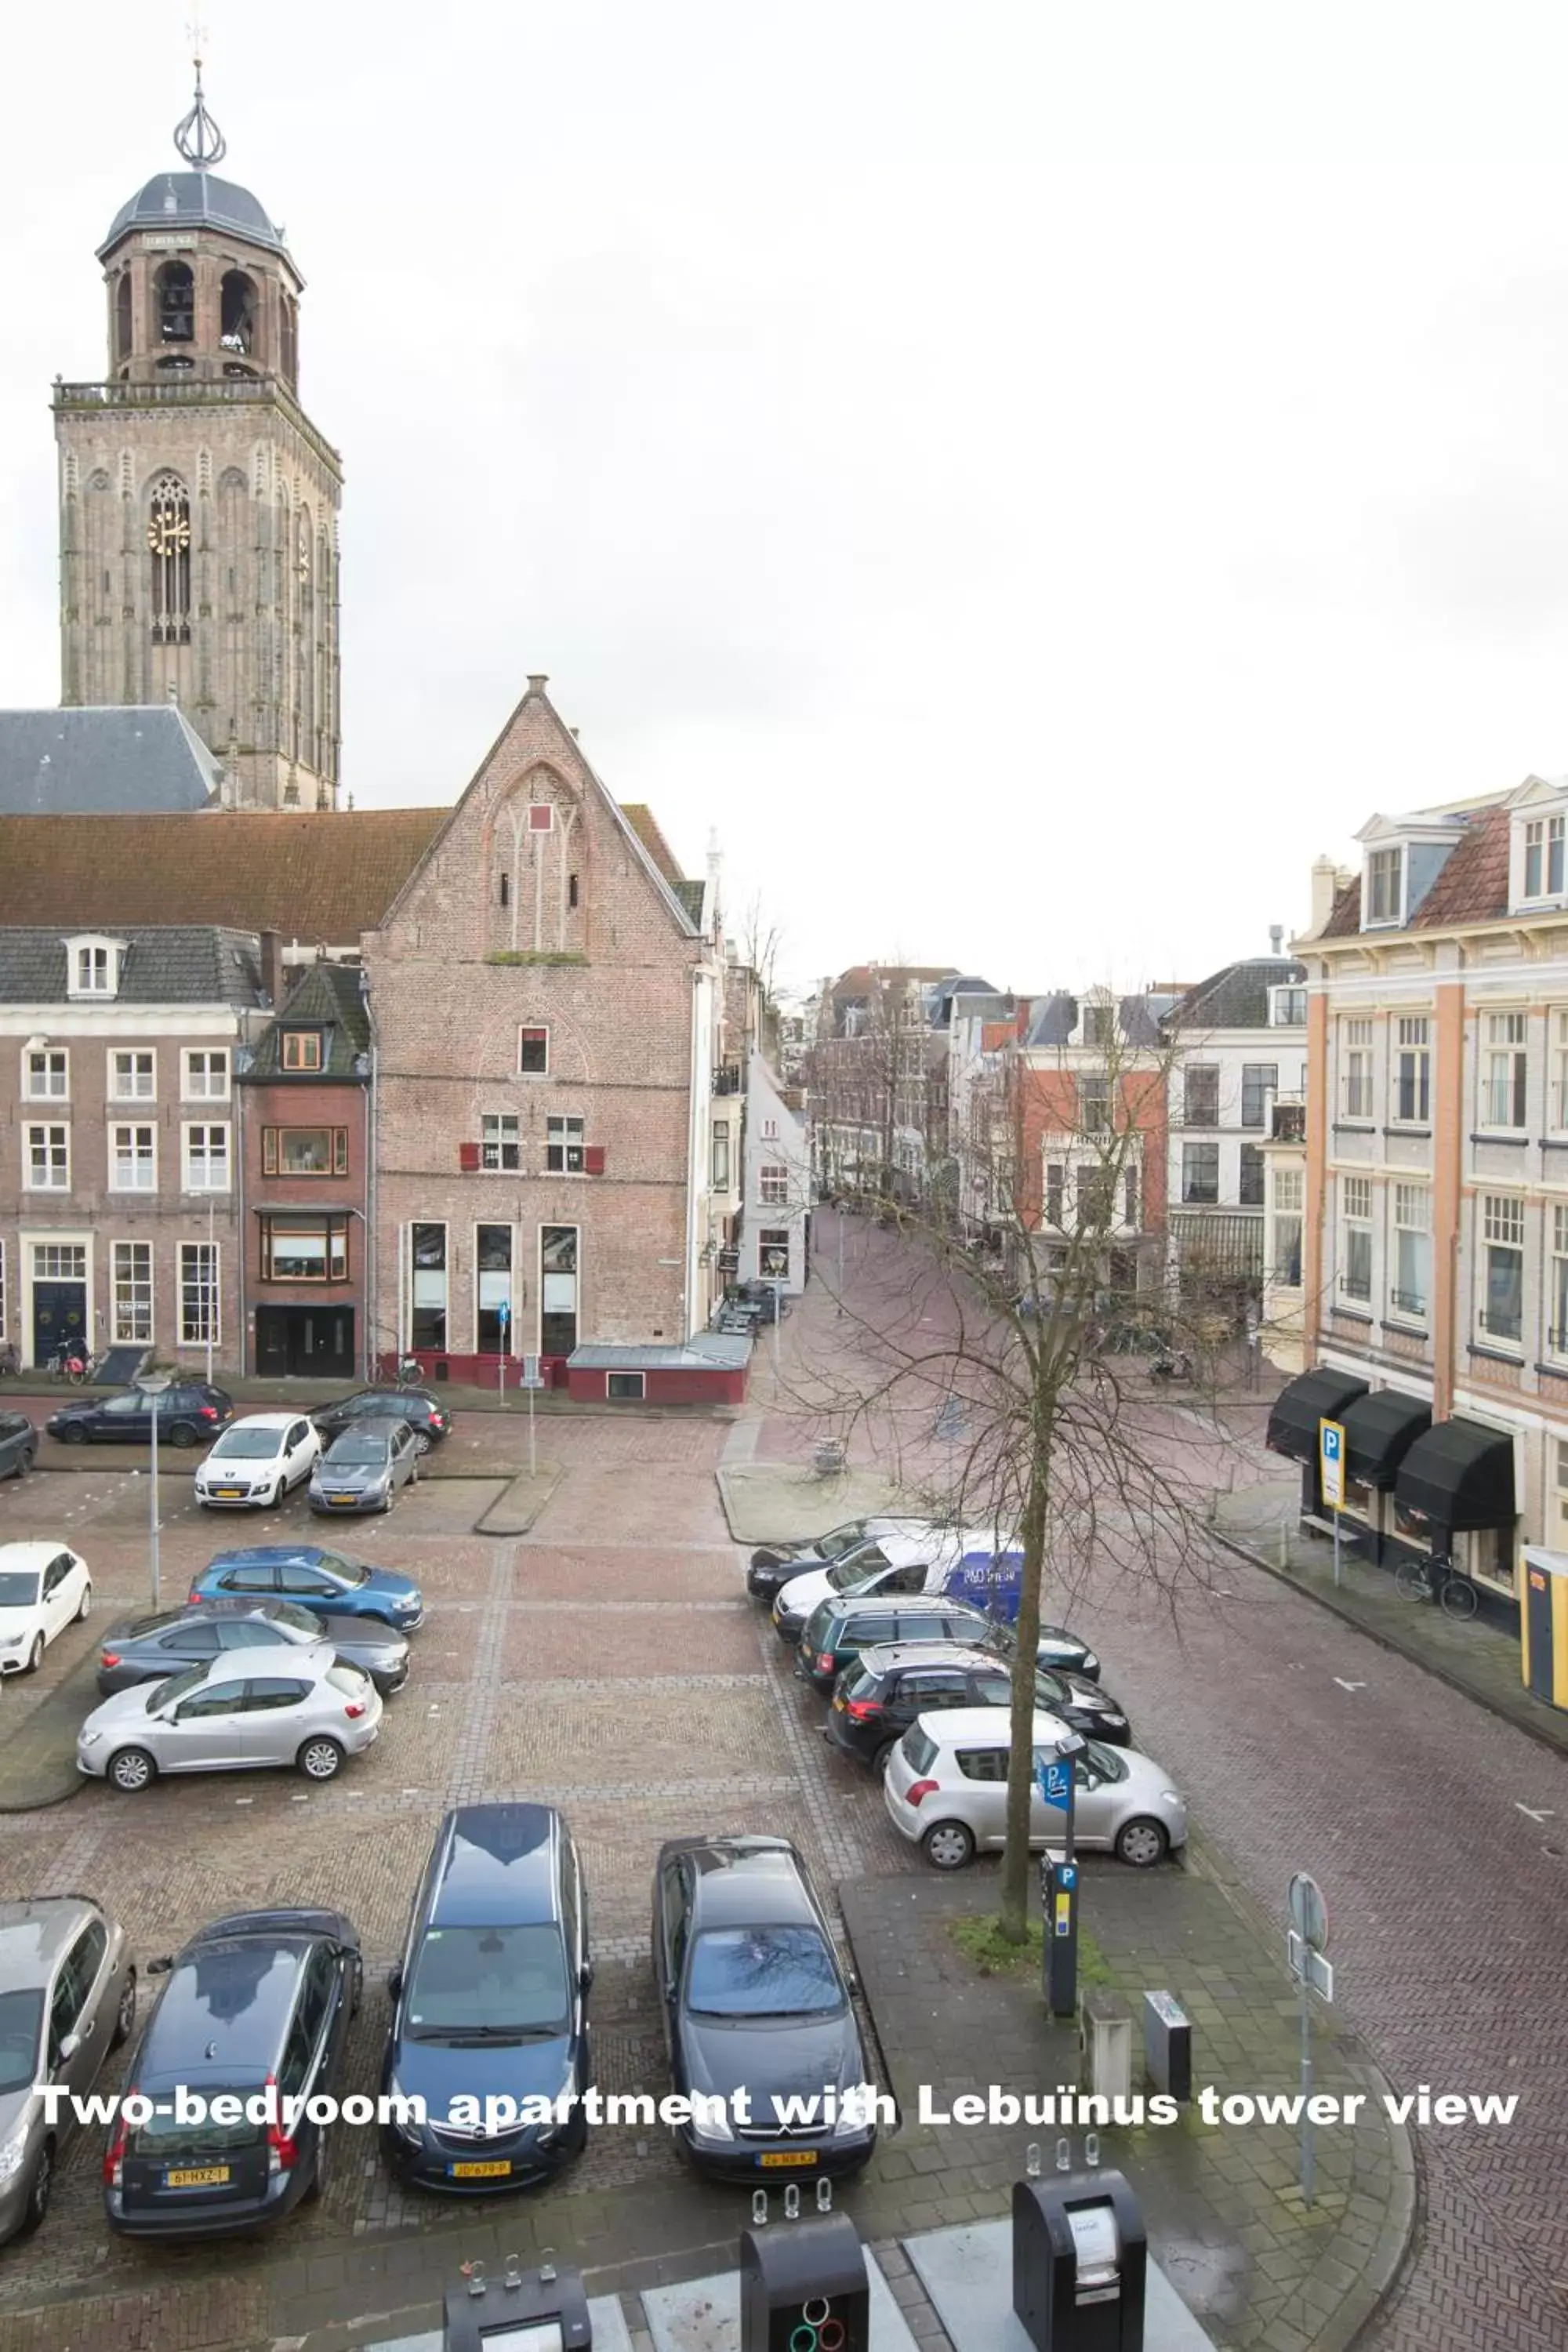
69, 1362
410, 1372
1440, 1581
10, 1360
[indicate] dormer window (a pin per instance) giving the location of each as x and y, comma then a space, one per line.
92, 967
1384, 886
1286, 1008
301, 1049
1543, 844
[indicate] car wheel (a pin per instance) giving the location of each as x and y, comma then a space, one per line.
36, 1654
25, 1463
879, 1761
38, 2192
73, 1434
423, 1441
279, 1491
949, 1846
319, 1759
1141, 1843
125, 2015
185, 1434
131, 1771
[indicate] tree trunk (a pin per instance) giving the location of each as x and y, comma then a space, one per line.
1021, 1756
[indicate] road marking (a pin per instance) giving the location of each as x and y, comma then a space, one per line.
1544, 1814
1348, 1687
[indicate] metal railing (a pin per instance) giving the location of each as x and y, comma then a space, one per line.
198, 391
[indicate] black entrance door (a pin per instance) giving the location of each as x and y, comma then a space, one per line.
306, 1341
59, 1312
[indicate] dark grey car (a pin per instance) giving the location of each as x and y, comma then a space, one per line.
149, 1649
19, 1444
67, 1998
362, 1469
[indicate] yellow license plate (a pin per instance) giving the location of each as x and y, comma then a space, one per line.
340, 1498
774, 2163
840, 1701
478, 2171
229, 1493
198, 2176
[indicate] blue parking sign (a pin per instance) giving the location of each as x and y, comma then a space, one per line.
1056, 1783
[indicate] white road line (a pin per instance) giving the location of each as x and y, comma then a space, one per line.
1544, 1813
1348, 1687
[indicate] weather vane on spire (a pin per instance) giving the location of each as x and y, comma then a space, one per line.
197, 137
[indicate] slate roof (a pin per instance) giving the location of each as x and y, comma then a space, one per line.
196, 200
1471, 889
103, 761
328, 997
175, 963
1236, 997
321, 877
1056, 1016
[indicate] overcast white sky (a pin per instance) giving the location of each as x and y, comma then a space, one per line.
1031, 475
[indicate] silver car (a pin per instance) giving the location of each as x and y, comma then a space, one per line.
362, 1469
67, 1998
285, 1706
946, 1792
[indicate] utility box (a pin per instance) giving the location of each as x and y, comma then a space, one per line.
545, 2310
1168, 2044
1106, 2037
803, 2287
1080, 2258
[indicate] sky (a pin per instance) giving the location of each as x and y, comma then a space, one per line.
1031, 478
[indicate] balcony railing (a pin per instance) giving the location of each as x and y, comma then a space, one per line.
727, 1081
198, 391
1501, 1327
1409, 1302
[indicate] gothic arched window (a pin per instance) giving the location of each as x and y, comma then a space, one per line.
169, 546
122, 316
239, 328
176, 290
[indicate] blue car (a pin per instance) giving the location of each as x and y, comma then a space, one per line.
317, 1577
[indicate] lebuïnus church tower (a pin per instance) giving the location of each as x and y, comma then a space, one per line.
198, 503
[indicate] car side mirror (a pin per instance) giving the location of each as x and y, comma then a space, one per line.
70, 2045
159, 1968
394, 1983
585, 1975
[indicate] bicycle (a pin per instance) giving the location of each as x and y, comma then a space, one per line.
1413, 1580
410, 1372
68, 1363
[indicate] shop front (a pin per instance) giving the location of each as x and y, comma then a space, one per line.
1296, 1418
1454, 1500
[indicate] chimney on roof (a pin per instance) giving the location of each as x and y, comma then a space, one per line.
272, 967
537, 681
1276, 939
1325, 890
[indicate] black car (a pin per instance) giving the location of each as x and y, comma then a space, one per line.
773, 1565
426, 1414
838, 1629
757, 2012
190, 1412
491, 2002
19, 1444
146, 1649
258, 1999
876, 1700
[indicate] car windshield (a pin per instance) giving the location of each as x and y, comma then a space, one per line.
492, 1982
773, 1972
347, 1571
19, 1588
21, 2015
355, 1451
177, 1687
857, 1567
842, 1542
247, 1445
165, 2137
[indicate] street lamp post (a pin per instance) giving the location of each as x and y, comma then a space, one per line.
153, 1385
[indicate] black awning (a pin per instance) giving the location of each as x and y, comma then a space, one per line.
1299, 1408
1380, 1431
1460, 1475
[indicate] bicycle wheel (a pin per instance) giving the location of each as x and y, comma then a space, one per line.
1410, 1580
1460, 1597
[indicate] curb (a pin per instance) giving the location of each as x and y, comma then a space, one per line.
1386, 1641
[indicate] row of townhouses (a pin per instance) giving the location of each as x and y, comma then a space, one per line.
301, 1092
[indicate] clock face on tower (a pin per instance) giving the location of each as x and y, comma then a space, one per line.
167, 533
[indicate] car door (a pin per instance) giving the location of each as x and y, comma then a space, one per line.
983, 1776
127, 1417
1096, 1793
58, 1594
71, 2069
185, 1646
405, 1458
15, 1437
254, 1577
87, 1965
208, 1733
673, 1926
274, 1723
929, 1690
301, 1446
299, 1582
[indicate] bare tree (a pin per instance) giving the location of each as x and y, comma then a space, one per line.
1031, 1358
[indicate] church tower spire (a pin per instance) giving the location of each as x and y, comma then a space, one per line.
198, 502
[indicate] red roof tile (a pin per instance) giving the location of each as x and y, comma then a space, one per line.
1471, 889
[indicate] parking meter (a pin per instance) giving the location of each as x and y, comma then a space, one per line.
545, 2310
1059, 1922
803, 2287
1080, 2258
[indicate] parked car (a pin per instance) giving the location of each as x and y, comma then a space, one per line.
752, 1998
426, 1414
279, 1707
19, 1446
189, 1412
946, 1791
979, 1565
840, 1629
150, 1649
257, 1999
876, 1700
325, 1581
67, 1998
773, 1565
363, 1469
258, 1460
492, 1998
44, 1588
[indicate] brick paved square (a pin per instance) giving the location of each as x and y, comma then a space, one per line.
547, 1570
625, 1644
608, 1736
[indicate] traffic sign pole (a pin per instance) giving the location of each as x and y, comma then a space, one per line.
1331, 1476
1305, 1942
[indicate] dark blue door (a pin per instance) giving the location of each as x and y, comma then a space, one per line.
59, 1312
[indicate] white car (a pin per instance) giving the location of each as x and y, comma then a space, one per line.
946, 1792
43, 1589
258, 1460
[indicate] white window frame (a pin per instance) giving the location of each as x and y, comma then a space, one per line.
1286, 995
144, 1167
188, 1156
1375, 863
625, 1396
204, 1288
93, 966
1357, 1050
1543, 842
507, 1137
49, 1130
720, 1148
1500, 1224
49, 1056
120, 1093
206, 1091
773, 1184
531, 1029
1504, 1067
1412, 1042
1355, 1218
129, 1284
1410, 1212
2, 1289
1557, 1091
565, 1142
1557, 1285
